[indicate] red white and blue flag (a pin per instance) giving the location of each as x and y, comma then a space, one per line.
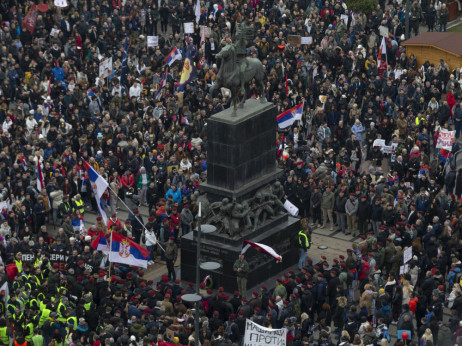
99, 186
101, 243
262, 248
162, 84
40, 183
281, 147
126, 251
174, 55
287, 118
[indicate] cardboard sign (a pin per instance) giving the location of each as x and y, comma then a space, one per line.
105, 68
445, 139
170, 334
153, 41
256, 335
189, 28
294, 40
306, 40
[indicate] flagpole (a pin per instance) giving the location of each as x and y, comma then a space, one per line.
109, 258
126, 206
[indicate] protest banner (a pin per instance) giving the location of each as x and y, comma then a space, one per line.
407, 256
153, 41
445, 139
294, 40
256, 335
105, 68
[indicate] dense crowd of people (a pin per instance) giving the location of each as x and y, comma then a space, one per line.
150, 144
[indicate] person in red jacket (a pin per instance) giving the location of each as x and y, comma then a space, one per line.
413, 302
451, 101
128, 180
114, 221
175, 220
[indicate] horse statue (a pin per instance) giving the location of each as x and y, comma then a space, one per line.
237, 76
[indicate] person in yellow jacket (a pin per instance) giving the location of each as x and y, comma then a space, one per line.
5, 332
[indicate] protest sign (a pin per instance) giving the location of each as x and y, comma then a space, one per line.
291, 208
294, 40
54, 31
306, 40
379, 143
407, 256
445, 139
345, 18
60, 3
387, 149
153, 41
189, 28
105, 68
256, 335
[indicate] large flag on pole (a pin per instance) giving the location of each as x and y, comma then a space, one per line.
382, 50
40, 183
197, 11
99, 186
188, 73
262, 248
162, 84
288, 117
124, 250
174, 55
101, 243
30, 19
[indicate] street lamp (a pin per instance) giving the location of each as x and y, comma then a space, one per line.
196, 298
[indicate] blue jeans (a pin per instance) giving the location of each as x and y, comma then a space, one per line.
443, 26
301, 261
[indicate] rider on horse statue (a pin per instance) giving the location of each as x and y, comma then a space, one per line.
244, 35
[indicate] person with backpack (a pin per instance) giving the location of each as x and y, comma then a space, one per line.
232, 329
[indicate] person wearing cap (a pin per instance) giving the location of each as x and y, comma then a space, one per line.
363, 214
351, 208
186, 219
340, 201
327, 207
171, 254
241, 268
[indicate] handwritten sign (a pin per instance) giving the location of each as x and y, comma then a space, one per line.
189, 28
256, 335
153, 41
379, 143
445, 139
387, 149
306, 40
105, 68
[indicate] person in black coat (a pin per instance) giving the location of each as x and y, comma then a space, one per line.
428, 285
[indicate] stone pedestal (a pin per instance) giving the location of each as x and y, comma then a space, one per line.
282, 238
241, 159
241, 151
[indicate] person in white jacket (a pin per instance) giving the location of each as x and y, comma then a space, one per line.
151, 243
30, 122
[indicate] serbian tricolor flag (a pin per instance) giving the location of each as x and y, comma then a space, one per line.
162, 84
175, 54
101, 243
23, 161
261, 248
40, 183
99, 186
281, 146
382, 50
288, 117
126, 251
